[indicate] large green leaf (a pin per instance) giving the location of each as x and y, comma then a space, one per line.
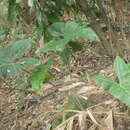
55, 45
40, 74
26, 62
11, 69
122, 70
105, 82
119, 91
14, 50
89, 34
72, 30
57, 29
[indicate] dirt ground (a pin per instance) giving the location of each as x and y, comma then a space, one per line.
37, 112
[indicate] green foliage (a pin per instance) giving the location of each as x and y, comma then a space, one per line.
2, 35
67, 33
40, 75
9, 66
119, 90
30, 3
76, 46
71, 31
14, 10
18, 1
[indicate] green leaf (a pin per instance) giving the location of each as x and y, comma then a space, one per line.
8, 70
13, 51
30, 3
11, 10
26, 62
117, 90
11, 69
57, 29
122, 70
64, 55
89, 34
105, 82
2, 37
18, 1
40, 75
54, 45
72, 30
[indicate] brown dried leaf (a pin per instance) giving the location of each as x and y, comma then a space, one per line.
86, 89
93, 118
82, 120
109, 121
93, 127
41, 42
74, 85
70, 124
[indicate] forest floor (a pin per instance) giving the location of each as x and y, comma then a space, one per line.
90, 108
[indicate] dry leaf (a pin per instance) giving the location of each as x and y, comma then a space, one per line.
109, 121
41, 42
92, 118
82, 121
70, 124
66, 88
63, 125
93, 127
86, 89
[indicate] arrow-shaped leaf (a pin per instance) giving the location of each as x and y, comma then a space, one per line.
11, 69
118, 91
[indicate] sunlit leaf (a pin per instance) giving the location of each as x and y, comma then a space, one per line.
57, 29
30, 3
72, 30
119, 91
18, 1
89, 34
121, 69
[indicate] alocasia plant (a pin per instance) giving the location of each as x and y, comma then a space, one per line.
9, 63
121, 89
66, 35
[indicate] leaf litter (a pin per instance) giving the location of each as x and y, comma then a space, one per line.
39, 111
